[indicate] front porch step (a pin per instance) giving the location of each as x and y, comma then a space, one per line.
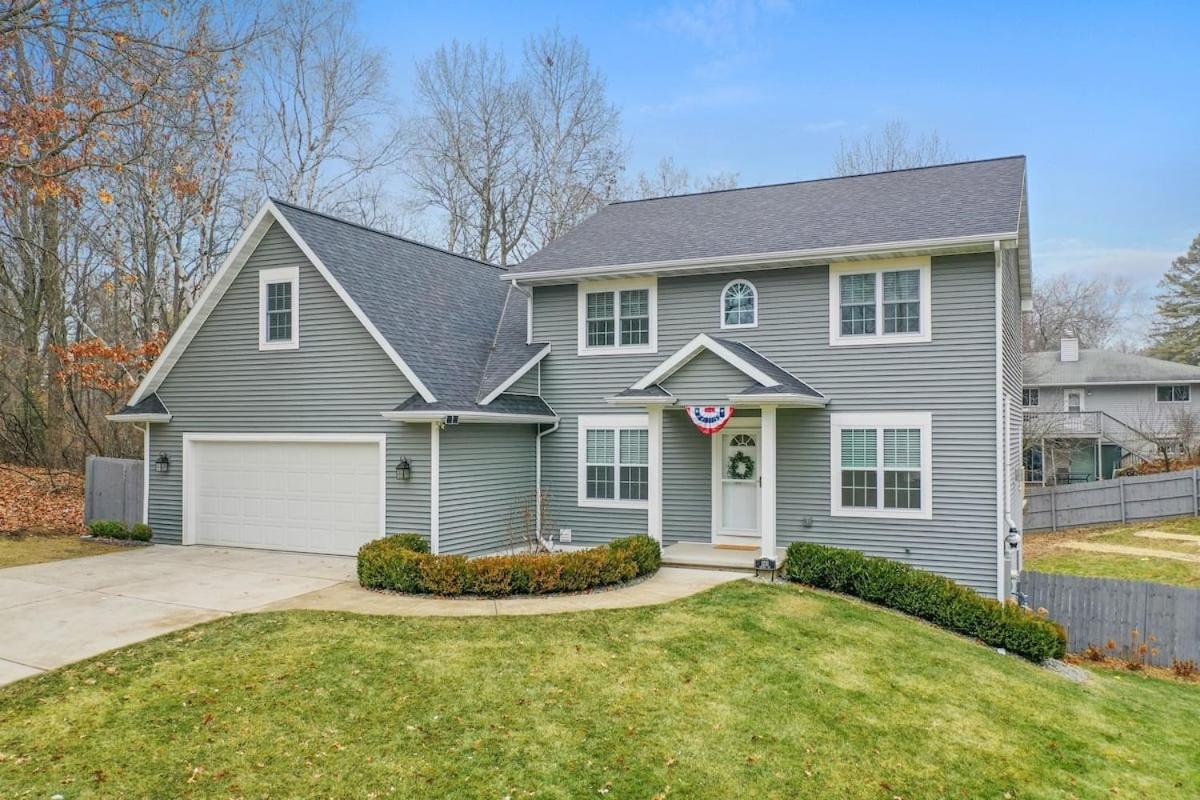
700, 555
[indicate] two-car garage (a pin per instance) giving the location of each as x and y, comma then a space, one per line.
306, 493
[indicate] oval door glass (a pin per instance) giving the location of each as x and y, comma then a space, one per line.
739, 484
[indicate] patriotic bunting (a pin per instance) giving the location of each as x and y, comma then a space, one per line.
710, 419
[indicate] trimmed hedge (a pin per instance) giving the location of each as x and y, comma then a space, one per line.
928, 596
392, 563
116, 529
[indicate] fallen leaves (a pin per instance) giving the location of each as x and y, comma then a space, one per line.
37, 501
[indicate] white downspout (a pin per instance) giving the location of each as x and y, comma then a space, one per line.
537, 497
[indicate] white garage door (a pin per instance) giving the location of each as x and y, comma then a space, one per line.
308, 496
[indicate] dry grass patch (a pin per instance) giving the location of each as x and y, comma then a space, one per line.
35, 548
1053, 552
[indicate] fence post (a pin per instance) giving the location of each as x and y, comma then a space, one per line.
1195, 495
1053, 511
1121, 486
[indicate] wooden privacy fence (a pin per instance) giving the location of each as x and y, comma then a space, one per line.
114, 489
1098, 610
1139, 497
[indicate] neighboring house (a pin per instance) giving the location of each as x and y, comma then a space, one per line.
335, 383
1088, 413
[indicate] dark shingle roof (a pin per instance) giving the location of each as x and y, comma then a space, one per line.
504, 404
1102, 367
150, 404
509, 351
788, 383
953, 200
440, 311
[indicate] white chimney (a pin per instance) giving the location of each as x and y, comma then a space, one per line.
1068, 347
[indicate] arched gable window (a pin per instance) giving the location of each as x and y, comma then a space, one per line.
739, 305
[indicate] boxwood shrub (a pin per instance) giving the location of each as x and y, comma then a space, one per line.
140, 532
930, 597
110, 528
394, 563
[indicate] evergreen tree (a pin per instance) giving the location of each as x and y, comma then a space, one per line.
1177, 331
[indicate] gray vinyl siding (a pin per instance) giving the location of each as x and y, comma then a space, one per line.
953, 377
706, 379
687, 483
487, 487
338, 381
1134, 405
526, 384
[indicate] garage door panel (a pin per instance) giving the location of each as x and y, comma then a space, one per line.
318, 497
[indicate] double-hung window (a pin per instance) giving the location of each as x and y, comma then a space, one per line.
880, 302
1030, 397
882, 465
1174, 393
279, 309
618, 317
614, 460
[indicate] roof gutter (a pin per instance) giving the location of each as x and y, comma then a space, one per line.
818, 255
469, 416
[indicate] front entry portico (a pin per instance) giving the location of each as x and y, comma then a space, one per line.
742, 467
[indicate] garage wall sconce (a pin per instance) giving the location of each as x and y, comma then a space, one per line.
162, 464
403, 469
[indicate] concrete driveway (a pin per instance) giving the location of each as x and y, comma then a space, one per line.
63, 611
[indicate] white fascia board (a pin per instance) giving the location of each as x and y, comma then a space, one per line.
692, 349
221, 282
516, 376
138, 417
1073, 384
469, 416
818, 255
778, 399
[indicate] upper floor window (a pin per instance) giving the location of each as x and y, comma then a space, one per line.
882, 465
739, 305
279, 309
879, 302
1175, 393
1029, 397
618, 317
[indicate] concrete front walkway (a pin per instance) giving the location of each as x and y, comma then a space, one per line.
63, 611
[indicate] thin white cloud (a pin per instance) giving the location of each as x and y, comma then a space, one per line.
719, 23
822, 127
710, 98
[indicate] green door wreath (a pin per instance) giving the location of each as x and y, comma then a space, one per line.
741, 466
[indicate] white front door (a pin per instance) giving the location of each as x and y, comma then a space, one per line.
737, 493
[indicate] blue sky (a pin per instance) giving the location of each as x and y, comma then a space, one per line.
1102, 97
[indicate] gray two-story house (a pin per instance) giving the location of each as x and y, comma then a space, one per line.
1089, 412
834, 361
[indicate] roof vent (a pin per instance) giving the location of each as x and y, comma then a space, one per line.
1068, 347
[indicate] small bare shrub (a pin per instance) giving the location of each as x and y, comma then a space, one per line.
1184, 668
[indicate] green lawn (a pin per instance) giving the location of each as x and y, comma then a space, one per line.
16, 550
1046, 552
749, 690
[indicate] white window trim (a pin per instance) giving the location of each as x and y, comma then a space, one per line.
281, 275
1037, 393
753, 291
878, 267
922, 420
1158, 386
1082, 399
584, 289
613, 422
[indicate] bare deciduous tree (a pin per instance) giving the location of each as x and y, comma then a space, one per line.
1093, 309
670, 179
892, 147
324, 128
510, 162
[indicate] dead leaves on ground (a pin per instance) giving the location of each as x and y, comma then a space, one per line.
34, 501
